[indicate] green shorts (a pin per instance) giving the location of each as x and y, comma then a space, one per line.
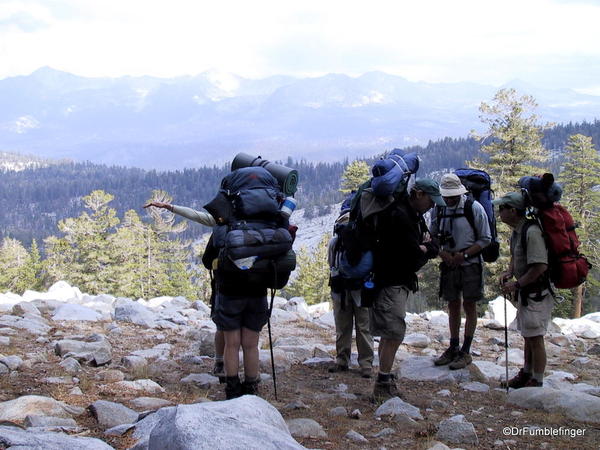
388, 313
462, 282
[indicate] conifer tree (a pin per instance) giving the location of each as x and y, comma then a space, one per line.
16, 269
581, 173
356, 173
312, 281
512, 140
83, 255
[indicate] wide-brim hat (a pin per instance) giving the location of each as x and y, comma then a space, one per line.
450, 186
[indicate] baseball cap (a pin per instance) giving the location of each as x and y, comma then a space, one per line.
512, 199
431, 188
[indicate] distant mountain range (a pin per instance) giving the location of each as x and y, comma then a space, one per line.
206, 119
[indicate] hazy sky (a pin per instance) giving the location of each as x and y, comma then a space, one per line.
552, 43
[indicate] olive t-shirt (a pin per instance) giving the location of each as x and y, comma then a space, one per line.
537, 252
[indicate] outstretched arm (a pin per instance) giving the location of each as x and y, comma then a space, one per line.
201, 217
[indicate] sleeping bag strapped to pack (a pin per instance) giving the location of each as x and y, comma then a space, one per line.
567, 267
254, 240
479, 186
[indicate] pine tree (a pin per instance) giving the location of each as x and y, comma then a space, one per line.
581, 173
83, 255
16, 270
313, 274
514, 147
356, 173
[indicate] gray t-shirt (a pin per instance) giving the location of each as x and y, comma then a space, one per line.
460, 228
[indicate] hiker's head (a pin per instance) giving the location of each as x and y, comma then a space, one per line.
451, 189
424, 194
511, 207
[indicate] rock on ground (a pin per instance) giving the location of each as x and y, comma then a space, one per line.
396, 406
457, 431
248, 423
16, 410
111, 414
306, 428
575, 405
13, 437
421, 368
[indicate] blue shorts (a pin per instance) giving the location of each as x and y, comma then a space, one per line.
233, 312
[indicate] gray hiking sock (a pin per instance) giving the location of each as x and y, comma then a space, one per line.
538, 377
218, 358
383, 377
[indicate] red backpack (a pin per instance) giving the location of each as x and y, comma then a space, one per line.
567, 267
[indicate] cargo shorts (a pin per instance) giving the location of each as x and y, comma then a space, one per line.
464, 282
388, 312
533, 319
233, 312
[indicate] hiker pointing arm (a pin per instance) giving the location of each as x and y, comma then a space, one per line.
201, 217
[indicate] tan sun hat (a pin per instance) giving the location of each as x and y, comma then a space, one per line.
450, 186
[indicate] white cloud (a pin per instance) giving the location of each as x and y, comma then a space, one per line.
432, 40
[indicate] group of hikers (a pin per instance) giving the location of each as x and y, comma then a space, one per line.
380, 241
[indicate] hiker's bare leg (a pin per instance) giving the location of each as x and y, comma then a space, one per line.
470, 309
250, 349
527, 356
454, 318
387, 353
219, 343
231, 356
538, 353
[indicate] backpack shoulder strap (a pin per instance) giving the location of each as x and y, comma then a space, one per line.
468, 211
528, 223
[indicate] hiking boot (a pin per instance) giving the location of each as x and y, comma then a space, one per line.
447, 357
366, 372
338, 368
462, 360
518, 381
532, 382
233, 388
250, 386
384, 390
219, 371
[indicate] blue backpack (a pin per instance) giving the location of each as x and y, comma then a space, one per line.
391, 175
479, 185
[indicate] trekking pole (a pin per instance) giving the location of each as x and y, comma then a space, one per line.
271, 344
506, 339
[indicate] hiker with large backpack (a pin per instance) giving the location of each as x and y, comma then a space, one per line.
463, 231
249, 252
346, 282
206, 219
526, 280
401, 246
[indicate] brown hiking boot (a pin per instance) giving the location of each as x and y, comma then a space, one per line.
250, 386
338, 368
447, 357
233, 388
462, 360
518, 381
384, 390
532, 382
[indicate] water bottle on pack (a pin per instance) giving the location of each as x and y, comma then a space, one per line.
288, 206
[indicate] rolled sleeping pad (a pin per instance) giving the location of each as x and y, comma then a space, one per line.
286, 177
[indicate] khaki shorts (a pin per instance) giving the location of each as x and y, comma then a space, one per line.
388, 313
464, 282
533, 319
